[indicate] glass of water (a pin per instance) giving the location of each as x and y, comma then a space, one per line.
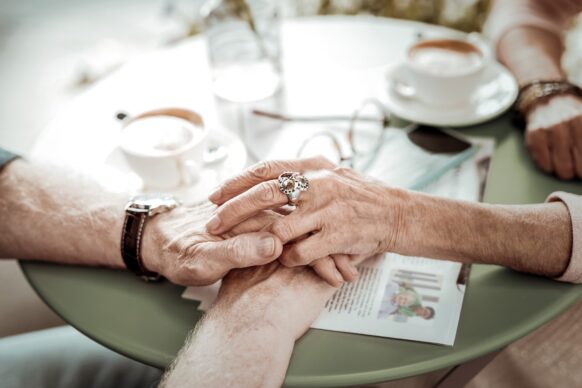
244, 48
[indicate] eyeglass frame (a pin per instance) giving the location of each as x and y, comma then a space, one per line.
385, 122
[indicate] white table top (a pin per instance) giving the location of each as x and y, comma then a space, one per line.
330, 65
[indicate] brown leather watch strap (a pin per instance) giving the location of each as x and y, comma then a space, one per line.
131, 239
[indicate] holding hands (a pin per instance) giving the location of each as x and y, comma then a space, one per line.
342, 217
177, 246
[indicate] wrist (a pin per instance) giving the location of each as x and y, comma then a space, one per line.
286, 300
252, 312
155, 237
113, 217
394, 225
541, 92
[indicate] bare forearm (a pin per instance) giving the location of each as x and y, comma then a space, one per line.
223, 353
531, 54
53, 216
248, 335
529, 238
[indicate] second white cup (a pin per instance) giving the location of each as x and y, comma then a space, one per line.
444, 72
165, 147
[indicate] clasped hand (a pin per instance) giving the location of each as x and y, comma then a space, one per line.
342, 218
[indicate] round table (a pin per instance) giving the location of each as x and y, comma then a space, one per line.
330, 64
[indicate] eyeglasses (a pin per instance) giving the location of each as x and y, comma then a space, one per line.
363, 137
372, 145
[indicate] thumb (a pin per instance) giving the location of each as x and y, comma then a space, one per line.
246, 250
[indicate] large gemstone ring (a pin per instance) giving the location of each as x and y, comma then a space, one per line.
292, 184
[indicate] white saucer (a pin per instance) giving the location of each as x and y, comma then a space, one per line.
495, 95
117, 176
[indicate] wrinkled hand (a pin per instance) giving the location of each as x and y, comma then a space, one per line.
342, 216
177, 245
554, 136
289, 299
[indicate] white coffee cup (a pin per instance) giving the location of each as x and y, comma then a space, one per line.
165, 147
443, 72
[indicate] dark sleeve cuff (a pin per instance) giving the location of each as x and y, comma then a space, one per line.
6, 157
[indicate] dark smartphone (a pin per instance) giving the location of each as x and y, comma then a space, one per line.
437, 140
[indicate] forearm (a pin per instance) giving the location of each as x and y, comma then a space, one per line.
531, 54
529, 238
52, 216
223, 353
247, 337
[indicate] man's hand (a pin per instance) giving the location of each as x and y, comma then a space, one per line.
177, 245
247, 337
554, 136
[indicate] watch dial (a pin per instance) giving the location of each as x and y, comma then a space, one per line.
149, 201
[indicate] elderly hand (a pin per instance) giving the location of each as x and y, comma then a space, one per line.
264, 309
177, 245
342, 213
554, 136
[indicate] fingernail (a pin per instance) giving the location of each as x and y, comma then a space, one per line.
266, 246
215, 195
213, 224
354, 272
339, 277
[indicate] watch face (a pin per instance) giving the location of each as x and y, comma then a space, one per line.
153, 201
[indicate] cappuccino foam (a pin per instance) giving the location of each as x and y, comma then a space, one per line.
159, 135
445, 61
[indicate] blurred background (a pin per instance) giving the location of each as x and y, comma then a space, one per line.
51, 51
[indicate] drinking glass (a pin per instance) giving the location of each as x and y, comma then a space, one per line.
244, 48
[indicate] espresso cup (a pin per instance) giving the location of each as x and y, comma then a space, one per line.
443, 72
165, 147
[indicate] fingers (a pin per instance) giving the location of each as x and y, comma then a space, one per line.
265, 195
259, 222
326, 269
576, 135
295, 225
557, 149
335, 269
562, 157
305, 251
345, 267
245, 250
538, 143
209, 261
265, 171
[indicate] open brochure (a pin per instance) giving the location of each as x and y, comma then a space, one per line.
397, 296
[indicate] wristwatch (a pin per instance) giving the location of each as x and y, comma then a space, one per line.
538, 92
137, 211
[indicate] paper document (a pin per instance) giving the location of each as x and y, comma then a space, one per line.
397, 296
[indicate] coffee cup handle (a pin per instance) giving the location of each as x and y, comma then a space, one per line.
399, 83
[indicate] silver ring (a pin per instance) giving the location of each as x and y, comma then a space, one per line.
292, 184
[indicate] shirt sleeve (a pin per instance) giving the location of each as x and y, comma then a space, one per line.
6, 157
573, 273
554, 16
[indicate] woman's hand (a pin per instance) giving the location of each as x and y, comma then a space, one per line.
554, 136
341, 214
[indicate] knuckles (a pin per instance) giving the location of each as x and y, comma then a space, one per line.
294, 257
283, 230
267, 192
262, 170
322, 162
